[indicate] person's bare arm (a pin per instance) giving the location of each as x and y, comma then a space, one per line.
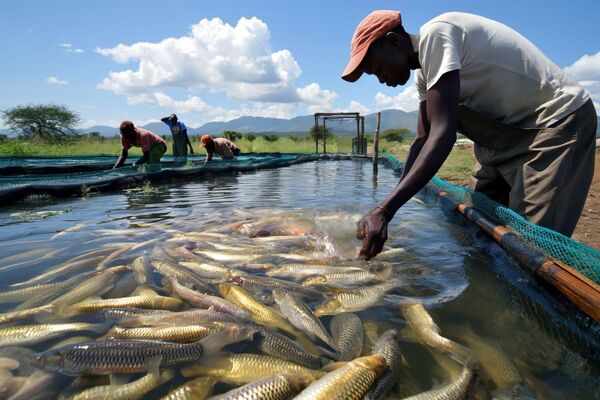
442, 115
144, 159
417, 145
121, 159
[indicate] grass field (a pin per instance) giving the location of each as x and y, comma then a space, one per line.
456, 168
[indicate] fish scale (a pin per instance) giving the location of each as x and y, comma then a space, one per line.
355, 300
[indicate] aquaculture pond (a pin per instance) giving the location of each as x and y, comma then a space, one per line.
198, 288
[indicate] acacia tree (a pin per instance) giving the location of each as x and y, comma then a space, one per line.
42, 121
313, 132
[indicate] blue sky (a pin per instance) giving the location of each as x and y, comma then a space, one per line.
218, 60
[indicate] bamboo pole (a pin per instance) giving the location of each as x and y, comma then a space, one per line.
324, 136
580, 290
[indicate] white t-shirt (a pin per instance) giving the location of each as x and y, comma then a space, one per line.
502, 75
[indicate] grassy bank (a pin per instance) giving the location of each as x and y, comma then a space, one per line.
456, 168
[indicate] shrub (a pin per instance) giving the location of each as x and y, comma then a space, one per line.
250, 137
232, 135
395, 135
271, 138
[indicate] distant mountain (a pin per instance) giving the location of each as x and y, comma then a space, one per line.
294, 126
302, 124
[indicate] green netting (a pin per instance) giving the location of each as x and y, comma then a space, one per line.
582, 258
15, 187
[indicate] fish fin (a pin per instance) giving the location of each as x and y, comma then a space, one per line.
143, 291
117, 380
101, 327
8, 363
333, 366
328, 353
46, 314
153, 366
407, 334
214, 343
463, 355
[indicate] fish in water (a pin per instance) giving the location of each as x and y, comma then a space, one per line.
196, 389
30, 334
117, 356
280, 346
260, 282
272, 388
349, 382
202, 300
347, 332
456, 390
302, 317
387, 346
239, 369
355, 300
132, 390
428, 333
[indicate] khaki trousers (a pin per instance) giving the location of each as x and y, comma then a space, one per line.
542, 174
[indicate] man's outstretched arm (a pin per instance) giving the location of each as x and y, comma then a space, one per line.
442, 114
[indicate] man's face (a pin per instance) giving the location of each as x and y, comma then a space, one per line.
388, 62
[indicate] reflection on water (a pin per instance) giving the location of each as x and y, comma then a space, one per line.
530, 343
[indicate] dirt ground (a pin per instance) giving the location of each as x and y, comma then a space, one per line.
588, 227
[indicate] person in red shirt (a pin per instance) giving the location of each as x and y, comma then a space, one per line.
223, 147
153, 146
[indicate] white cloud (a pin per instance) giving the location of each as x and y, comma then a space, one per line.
587, 71
70, 49
55, 81
407, 100
355, 106
217, 57
317, 99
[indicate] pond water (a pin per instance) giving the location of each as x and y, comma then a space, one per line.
478, 297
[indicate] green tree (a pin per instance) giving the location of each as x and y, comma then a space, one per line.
42, 121
395, 134
250, 137
313, 132
232, 135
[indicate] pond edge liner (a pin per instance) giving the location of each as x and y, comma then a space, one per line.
112, 184
576, 287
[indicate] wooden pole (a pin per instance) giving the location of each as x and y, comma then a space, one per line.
362, 135
376, 144
324, 136
316, 134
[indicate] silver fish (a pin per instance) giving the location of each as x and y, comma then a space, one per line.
249, 282
355, 300
278, 387
456, 390
202, 300
117, 356
29, 334
277, 345
388, 347
347, 332
183, 276
302, 317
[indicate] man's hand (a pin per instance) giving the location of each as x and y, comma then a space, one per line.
372, 229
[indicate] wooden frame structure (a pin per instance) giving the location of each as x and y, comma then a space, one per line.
360, 127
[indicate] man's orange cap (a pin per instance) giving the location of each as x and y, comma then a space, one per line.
205, 139
371, 28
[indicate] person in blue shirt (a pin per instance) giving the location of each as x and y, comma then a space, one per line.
181, 141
